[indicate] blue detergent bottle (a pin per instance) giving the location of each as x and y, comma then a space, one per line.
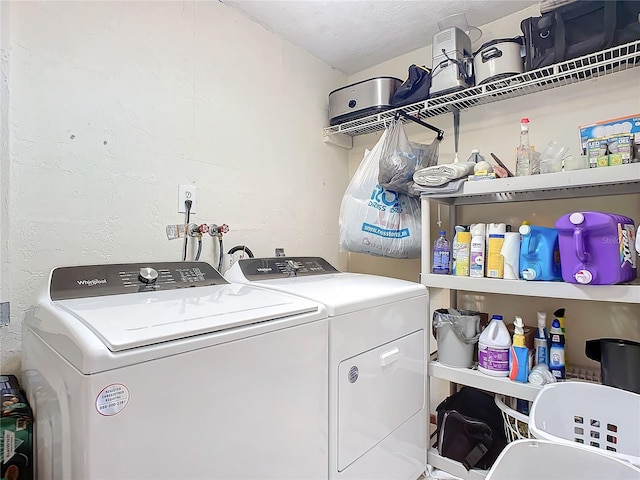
539, 253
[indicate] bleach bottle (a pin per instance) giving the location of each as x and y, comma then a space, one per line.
493, 348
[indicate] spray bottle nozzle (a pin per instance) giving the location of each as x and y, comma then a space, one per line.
519, 326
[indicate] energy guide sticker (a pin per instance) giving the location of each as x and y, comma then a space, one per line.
112, 399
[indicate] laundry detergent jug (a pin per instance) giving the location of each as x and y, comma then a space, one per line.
539, 253
596, 248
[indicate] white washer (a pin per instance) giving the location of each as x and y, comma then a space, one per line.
377, 415
132, 376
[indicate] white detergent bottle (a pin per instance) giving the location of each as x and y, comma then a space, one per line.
493, 348
477, 249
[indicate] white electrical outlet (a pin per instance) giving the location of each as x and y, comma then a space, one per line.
186, 192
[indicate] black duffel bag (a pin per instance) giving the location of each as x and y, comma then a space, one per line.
470, 428
415, 88
579, 28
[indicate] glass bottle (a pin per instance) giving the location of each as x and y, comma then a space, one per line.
523, 154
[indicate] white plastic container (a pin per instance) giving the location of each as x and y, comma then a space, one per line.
516, 424
603, 419
511, 254
543, 460
495, 240
493, 348
477, 249
463, 254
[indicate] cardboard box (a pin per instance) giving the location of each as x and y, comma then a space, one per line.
629, 125
16, 431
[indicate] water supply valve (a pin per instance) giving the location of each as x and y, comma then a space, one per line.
218, 230
198, 230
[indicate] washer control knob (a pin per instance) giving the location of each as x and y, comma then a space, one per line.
148, 275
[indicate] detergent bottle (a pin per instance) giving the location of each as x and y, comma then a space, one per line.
597, 248
493, 348
476, 250
455, 245
539, 253
463, 254
495, 240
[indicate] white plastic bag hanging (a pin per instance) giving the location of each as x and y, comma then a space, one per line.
400, 159
377, 221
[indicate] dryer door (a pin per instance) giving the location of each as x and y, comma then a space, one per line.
378, 391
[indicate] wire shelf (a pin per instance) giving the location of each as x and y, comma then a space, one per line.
588, 67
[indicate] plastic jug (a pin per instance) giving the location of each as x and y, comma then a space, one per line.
493, 348
597, 248
539, 253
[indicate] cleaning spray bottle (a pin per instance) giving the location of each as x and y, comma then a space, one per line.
560, 315
556, 352
518, 354
541, 341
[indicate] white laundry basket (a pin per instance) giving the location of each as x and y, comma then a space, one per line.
543, 460
597, 416
516, 424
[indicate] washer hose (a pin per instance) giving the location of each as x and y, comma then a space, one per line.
241, 248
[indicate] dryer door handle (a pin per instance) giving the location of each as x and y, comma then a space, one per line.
390, 356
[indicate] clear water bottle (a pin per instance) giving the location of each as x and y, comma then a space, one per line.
441, 254
523, 154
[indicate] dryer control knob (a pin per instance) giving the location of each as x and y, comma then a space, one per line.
148, 275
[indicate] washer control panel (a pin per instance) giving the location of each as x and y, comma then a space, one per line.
99, 280
281, 267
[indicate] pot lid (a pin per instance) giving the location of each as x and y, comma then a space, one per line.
496, 41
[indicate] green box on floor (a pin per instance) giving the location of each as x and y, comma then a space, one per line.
16, 431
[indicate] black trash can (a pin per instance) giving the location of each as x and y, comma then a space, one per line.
619, 362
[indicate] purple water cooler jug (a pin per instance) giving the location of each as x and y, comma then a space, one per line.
597, 248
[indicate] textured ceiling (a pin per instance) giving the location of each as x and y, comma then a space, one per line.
351, 35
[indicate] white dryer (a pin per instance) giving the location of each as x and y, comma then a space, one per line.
133, 376
377, 414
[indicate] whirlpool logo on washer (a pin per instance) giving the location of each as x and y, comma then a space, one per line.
91, 283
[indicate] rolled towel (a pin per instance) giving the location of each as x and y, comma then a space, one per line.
441, 174
451, 187
541, 375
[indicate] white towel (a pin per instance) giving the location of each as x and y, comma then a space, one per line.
452, 187
441, 174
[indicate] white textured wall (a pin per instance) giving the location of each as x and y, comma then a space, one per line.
554, 114
4, 157
114, 104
